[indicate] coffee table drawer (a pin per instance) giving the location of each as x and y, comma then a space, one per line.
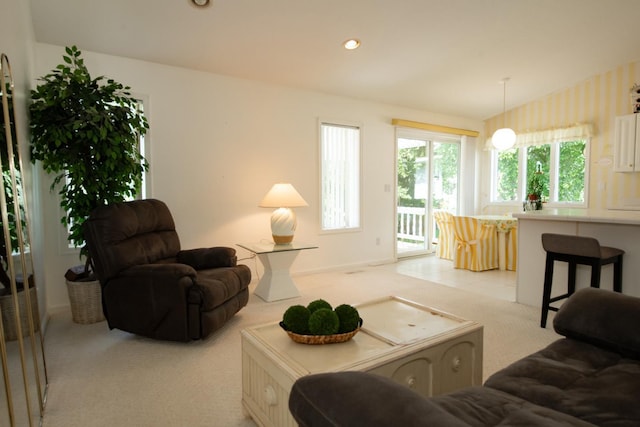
448, 366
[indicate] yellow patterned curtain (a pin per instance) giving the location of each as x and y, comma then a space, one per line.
549, 136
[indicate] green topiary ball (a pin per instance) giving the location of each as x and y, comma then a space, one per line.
318, 304
296, 319
323, 321
349, 318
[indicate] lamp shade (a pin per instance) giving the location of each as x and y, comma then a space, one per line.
282, 195
503, 138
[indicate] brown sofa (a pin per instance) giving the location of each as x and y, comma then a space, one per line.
589, 377
153, 288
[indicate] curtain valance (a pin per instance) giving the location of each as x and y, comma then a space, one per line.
434, 128
548, 136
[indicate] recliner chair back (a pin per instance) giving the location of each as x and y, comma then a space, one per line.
122, 235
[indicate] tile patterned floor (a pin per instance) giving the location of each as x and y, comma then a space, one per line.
495, 283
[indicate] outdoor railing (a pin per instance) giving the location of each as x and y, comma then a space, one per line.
411, 223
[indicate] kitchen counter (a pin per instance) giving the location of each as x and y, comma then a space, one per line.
583, 215
615, 228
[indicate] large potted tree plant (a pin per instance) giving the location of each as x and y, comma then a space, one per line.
86, 132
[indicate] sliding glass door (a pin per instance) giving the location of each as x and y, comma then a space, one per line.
427, 169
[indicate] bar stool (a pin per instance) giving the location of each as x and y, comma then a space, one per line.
576, 250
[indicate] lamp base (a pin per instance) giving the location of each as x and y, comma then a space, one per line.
283, 225
282, 240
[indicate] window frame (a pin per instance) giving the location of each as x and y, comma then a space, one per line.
554, 174
340, 124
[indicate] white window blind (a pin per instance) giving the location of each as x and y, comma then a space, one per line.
340, 180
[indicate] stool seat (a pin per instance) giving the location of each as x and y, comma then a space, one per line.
576, 250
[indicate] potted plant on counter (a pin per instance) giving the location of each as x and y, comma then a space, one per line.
535, 189
86, 132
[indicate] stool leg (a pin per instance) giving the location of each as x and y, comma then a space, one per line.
596, 270
617, 275
546, 292
571, 280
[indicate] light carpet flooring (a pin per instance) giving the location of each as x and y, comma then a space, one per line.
102, 377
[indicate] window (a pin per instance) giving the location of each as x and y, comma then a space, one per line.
340, 176
571, 182
563, 166
506, 185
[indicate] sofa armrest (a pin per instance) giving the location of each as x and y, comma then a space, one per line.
362, 399
601, 317
203, 258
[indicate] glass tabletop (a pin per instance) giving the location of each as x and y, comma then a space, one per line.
265, 247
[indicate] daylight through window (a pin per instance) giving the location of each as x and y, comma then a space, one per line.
564, 170
340, 176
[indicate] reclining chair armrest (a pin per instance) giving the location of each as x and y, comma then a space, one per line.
151, 300
157, 279
203, 258
173, 271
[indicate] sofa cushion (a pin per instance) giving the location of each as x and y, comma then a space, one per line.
215, 286
601, 317
577, 378
363, 399
360, 399
484, 406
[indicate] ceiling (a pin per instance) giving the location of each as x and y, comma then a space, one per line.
443, 56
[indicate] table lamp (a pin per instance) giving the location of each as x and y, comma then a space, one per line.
283, 196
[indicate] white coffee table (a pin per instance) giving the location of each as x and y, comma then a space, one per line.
431, 351
276, 282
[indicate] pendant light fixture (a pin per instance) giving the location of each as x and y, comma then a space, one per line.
505, 137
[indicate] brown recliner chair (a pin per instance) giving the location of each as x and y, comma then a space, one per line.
150, 286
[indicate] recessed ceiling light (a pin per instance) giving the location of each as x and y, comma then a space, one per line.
200, 3
351, 44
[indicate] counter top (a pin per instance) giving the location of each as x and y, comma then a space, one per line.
582, 215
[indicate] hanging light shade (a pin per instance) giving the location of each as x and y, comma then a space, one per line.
504, 138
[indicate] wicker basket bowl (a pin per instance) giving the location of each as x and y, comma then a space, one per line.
8, 312
321, 339
86, 301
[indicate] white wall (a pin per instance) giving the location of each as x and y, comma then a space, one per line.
219, 143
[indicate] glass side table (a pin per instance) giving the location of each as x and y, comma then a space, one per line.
276, 282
